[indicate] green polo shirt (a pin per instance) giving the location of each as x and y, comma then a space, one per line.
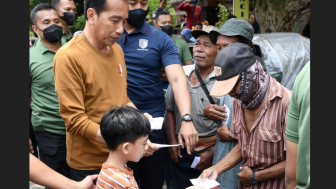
65, 39
44, 105
298, 125
183, 49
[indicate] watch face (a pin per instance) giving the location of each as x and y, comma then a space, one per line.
186, 117
254, 181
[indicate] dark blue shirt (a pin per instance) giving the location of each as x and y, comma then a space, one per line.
146, 50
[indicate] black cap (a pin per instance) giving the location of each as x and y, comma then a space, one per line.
231, 61
205, 31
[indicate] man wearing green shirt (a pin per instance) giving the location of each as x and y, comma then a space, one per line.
163, 21
48, 125
298, 133
67, 12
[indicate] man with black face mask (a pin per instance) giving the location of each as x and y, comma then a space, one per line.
163, 21
47, 123
67, 11
147, 50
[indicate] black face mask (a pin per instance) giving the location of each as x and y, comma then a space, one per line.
167, 29
53, 33
69, 18
137, 17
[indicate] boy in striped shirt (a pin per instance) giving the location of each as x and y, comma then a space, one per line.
125, 131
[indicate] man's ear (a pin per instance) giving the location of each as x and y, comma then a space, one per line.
125, 148
37, 31
91, 15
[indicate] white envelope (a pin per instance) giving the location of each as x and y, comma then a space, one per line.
207, 184
156, 123
166, 145
195, 162
228, 115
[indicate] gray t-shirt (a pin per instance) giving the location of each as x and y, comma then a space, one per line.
199, 100
228, 179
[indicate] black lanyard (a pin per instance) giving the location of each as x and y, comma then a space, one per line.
205, 89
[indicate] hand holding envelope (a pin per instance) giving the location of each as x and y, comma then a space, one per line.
207, 184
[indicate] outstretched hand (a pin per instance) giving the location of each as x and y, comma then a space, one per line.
151, 148
209, 173
189, 134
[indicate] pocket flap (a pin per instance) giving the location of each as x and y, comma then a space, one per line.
269, 135
237, 130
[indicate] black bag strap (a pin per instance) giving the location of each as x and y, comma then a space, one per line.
205, 89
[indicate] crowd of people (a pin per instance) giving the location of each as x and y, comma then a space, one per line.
94, 95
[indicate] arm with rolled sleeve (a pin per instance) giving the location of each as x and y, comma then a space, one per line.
70, 90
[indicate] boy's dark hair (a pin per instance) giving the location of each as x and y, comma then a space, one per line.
123, 124
198, 23
39, 7
97, 5
161, 13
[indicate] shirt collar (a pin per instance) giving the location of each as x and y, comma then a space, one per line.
190, 68
274, 90
69, 35
42, 47
143, 29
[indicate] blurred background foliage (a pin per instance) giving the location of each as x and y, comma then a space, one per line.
222, 14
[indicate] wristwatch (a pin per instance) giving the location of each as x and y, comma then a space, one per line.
254, 180
186, 117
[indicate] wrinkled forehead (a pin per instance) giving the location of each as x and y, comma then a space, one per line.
203, 38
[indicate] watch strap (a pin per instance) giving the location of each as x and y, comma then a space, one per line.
254, 179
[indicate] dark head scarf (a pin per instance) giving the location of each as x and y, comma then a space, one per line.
254, 86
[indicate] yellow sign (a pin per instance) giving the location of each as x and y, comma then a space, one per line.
241, 9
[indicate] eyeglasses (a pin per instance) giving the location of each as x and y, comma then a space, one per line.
234, 88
